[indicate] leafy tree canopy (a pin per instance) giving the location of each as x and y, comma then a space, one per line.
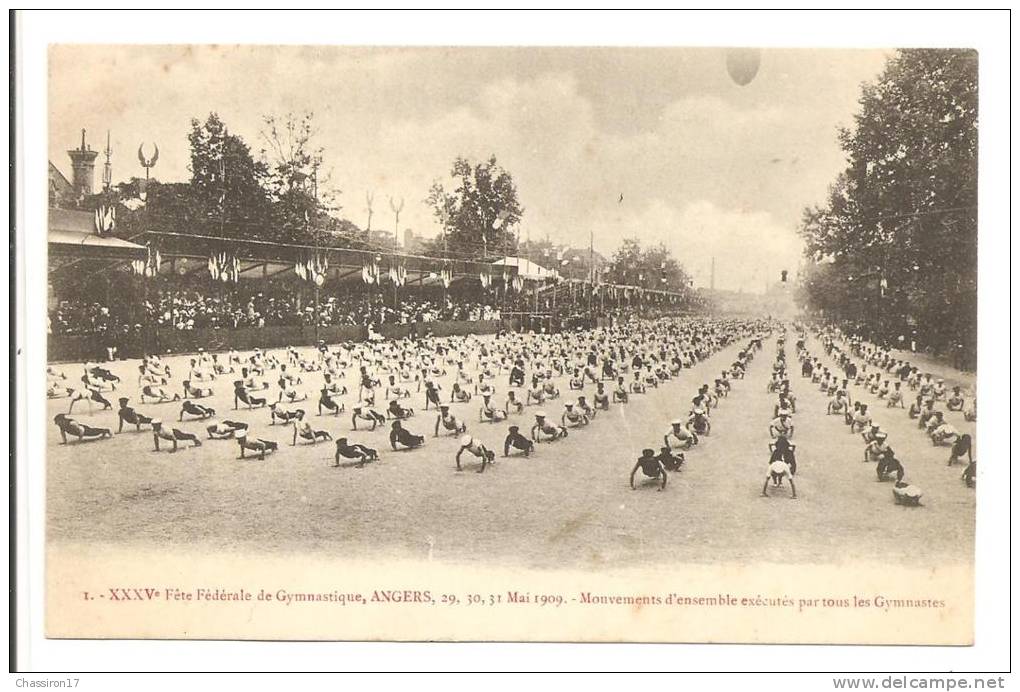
478, 213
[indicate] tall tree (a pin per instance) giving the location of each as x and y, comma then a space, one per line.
226, 182
899, 229
478, 214
303, 198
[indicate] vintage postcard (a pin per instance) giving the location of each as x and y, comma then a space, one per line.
511, 343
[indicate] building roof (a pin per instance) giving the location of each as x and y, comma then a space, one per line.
73, 232
527, 269
58, 178
61, 191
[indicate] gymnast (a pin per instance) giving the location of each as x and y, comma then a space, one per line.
84, 433
128, 415
192, 409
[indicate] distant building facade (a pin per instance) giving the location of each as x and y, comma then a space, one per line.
413, 243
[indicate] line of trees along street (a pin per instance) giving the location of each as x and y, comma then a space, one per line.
893, 250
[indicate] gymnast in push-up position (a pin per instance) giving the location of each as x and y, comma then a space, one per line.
961, 448
326, 401
620, 393
395, 390
84, 433
98, 373
955, 401
652, 467
681, 433
449, 422
304, 430
488, 412
365, 412
783, 450
225, 430
196, 410
888, 464
173, 435
895, 396
87, 395
907, 494
432, 395
349, 450
259, 446
513, 404
458, 394
779, 470
244, 396
284, 416
400, 435
477, 449
699, 423
586, 408
670, 461
536, 394
515, 440
876, 447
543, 426
288, 392
399, 412
128, 415
636, 385
196, 392
156, 394
573, 417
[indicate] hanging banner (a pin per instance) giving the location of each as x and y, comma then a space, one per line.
398, 274
312, 268
224, 267
148, 267
105, 220
370, 273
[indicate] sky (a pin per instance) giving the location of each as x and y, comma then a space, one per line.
711, 168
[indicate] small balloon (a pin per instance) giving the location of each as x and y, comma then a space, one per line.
743, 64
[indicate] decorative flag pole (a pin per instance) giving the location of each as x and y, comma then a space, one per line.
147, 163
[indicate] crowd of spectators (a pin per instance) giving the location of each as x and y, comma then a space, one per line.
191, 309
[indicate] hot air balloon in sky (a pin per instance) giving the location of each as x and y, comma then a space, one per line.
743, 64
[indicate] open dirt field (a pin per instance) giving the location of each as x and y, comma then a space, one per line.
568, 505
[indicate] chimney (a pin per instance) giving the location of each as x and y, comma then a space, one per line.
83, 166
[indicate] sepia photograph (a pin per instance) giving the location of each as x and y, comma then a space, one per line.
497, 343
